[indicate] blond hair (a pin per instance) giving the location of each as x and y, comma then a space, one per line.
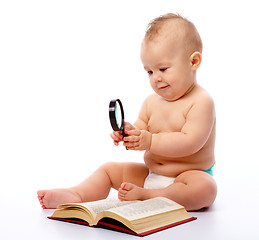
191, 38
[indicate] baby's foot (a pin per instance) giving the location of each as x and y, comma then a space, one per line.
129, 192
52, 198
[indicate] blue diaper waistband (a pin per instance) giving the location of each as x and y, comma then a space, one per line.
210, 170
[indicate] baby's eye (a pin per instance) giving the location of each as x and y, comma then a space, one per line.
149, 72
162, 69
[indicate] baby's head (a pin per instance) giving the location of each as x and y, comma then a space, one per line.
175, 27
171, 54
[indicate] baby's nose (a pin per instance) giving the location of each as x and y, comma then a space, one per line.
157, 77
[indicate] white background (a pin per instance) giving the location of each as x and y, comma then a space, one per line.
61, 62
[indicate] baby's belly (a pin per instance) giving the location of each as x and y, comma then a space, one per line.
175, 166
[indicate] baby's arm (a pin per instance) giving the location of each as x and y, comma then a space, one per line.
139, 138
142, 121
192, 137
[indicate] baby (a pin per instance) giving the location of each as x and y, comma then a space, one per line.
175, 128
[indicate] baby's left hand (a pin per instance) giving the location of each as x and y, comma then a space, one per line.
137, 139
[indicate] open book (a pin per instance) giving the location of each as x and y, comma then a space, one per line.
136, 217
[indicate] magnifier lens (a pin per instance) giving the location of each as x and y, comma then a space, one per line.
118, 115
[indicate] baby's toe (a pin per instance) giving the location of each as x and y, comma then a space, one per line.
127, 186
122, 191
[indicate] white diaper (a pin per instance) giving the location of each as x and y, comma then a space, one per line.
156, 181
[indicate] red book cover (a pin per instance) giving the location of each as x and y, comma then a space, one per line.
112, 224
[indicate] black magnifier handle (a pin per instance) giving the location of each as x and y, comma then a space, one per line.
123, 133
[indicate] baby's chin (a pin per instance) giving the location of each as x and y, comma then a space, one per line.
168, 97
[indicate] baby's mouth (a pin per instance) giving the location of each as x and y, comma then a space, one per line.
163, 87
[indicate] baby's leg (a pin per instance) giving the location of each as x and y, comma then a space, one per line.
192, 189
97, 186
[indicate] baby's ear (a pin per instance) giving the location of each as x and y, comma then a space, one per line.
195, 60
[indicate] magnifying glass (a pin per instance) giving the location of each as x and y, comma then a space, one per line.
116, 115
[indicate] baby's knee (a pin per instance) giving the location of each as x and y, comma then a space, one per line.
108, 165
114, 168
206, 193
209, 190
202, 189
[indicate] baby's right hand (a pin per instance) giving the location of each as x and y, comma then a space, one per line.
116, 137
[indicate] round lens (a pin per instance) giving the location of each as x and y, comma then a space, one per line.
118, 114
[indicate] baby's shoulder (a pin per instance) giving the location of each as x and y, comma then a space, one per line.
151, 99
202, 95
203, 100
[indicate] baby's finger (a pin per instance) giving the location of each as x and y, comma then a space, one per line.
128, 126
131, 139
116, 136
135, 132
131, 145
117, 133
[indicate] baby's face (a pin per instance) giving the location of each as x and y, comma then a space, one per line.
169, 68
